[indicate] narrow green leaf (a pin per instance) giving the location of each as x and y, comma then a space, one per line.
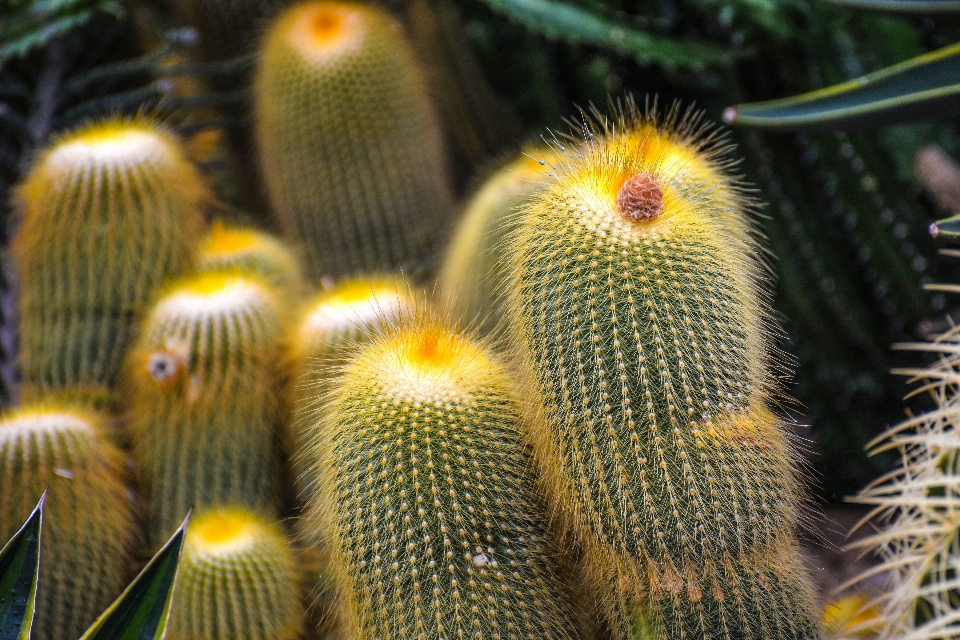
142, 610
924, 88
574, 24
904, 6
19, 566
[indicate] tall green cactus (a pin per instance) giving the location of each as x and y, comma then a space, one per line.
238, 578
203, 410
251, 252
427, 493
110, 211
638, 312
89, 526
349, 143
334, 321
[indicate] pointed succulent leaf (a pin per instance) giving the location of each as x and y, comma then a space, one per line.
19, 565
576, 25
142, 610
904, 6
949, 227
923, 88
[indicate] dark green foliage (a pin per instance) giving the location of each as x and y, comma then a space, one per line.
28, 24
19, 565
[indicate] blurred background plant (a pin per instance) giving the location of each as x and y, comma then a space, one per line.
846, 217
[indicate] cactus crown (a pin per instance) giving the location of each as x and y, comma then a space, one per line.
322, 32
252, 252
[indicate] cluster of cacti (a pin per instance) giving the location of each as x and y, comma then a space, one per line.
109, 213
428, 493
90, 531
349, 144
640, 321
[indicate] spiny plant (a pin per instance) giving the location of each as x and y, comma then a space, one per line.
427, 495
473, 269
329, 325
110, 211
90, 529
203, 408
919, 507
252, 252
349, 144
238, 579
639, 318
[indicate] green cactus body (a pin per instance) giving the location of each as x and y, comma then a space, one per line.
343, 317
251, 252
203, 411
237, 579
89, 528
639, 320
473, 270
109, 212
428, 496
349, 143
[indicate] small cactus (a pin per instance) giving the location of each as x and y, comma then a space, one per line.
203, 411
333, 321
89, 526
238, 578
637, 309
427, 494
349, 143
253, 253
110, 211
474, 272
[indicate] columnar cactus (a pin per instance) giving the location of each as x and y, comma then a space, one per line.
637, 309
427, 494
349, 143
238, 578
89, 529
330, 324
251, 252
203, 411
110, 211
474, 272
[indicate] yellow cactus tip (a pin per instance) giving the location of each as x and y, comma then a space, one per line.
43, 421
640, 198
113, 143
225, 240
214, 294
224, 533
321, 28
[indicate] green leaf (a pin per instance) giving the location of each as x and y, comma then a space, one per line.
904, 6
575, 25
19, 565
142, 610
949, 227
924, 88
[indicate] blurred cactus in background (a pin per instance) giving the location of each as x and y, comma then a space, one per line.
90, 530
203, 412
350, 146
109, 212
253, 253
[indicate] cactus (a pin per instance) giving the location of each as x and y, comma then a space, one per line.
251, 252
919, 504
427, 493
109, 212
639, 318
89, 527
349, 143
473, 269
238, 578
337, 319
203, 411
